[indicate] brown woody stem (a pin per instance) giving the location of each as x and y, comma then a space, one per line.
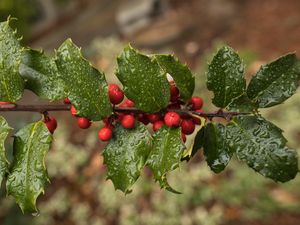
46, 108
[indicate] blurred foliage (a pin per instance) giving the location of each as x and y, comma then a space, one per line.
80, 195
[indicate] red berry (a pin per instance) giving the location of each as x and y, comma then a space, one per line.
174, 93
127, 104
172, 119
73, 110
128, 121
183, 137
4, 103
197, 120
187, 126
105, 134
116, 95
157, 125
143, 118
196, 102
51, 124
83, 122
153, 117
67, 101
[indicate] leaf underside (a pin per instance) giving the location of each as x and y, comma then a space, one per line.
28, 174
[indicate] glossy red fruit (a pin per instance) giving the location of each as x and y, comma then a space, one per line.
128, 121
4, 103
174, 93
83, 122
153, 117
196, 102
187, 126
197, 120
183, 137
73, 110
51, 124
105, 134
67, 101
157, 125
116, 95
142, 117
172, 119
127, 104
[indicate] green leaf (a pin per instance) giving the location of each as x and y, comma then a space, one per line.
4, 131
11, 83
143, 80
216, 149
225, 77
242, 104
166, 154
275, 82
86, 87
41, 75
262, 146
28, 174
126, 155
198, 144
184, 79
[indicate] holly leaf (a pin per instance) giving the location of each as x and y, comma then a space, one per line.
216, 149
143, 80
166, 154
126, 155
41, 75
4, 131
11, 83
275, 82
225, 77
184, 79
85, 86
28, 174
242, 104
262, 146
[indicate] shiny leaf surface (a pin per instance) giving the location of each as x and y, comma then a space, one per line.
86, 87
28, 174
216, 149
143, 80
11, 83
184, 79
242, 104
41, 75
225, 77
262, 146
4, 131
275, 82
126, 155
166, 154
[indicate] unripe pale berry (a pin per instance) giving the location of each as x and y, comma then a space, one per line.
187, 126
116, 95
73, 110
105, 134
197, 120
51, 124
67, 101
172, 119
157, 125
128, 121
153, 117
83, 122
183, 137
196, 102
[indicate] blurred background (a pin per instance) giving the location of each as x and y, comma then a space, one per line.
192, 29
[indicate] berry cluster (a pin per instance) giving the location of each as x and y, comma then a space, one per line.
170, 117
